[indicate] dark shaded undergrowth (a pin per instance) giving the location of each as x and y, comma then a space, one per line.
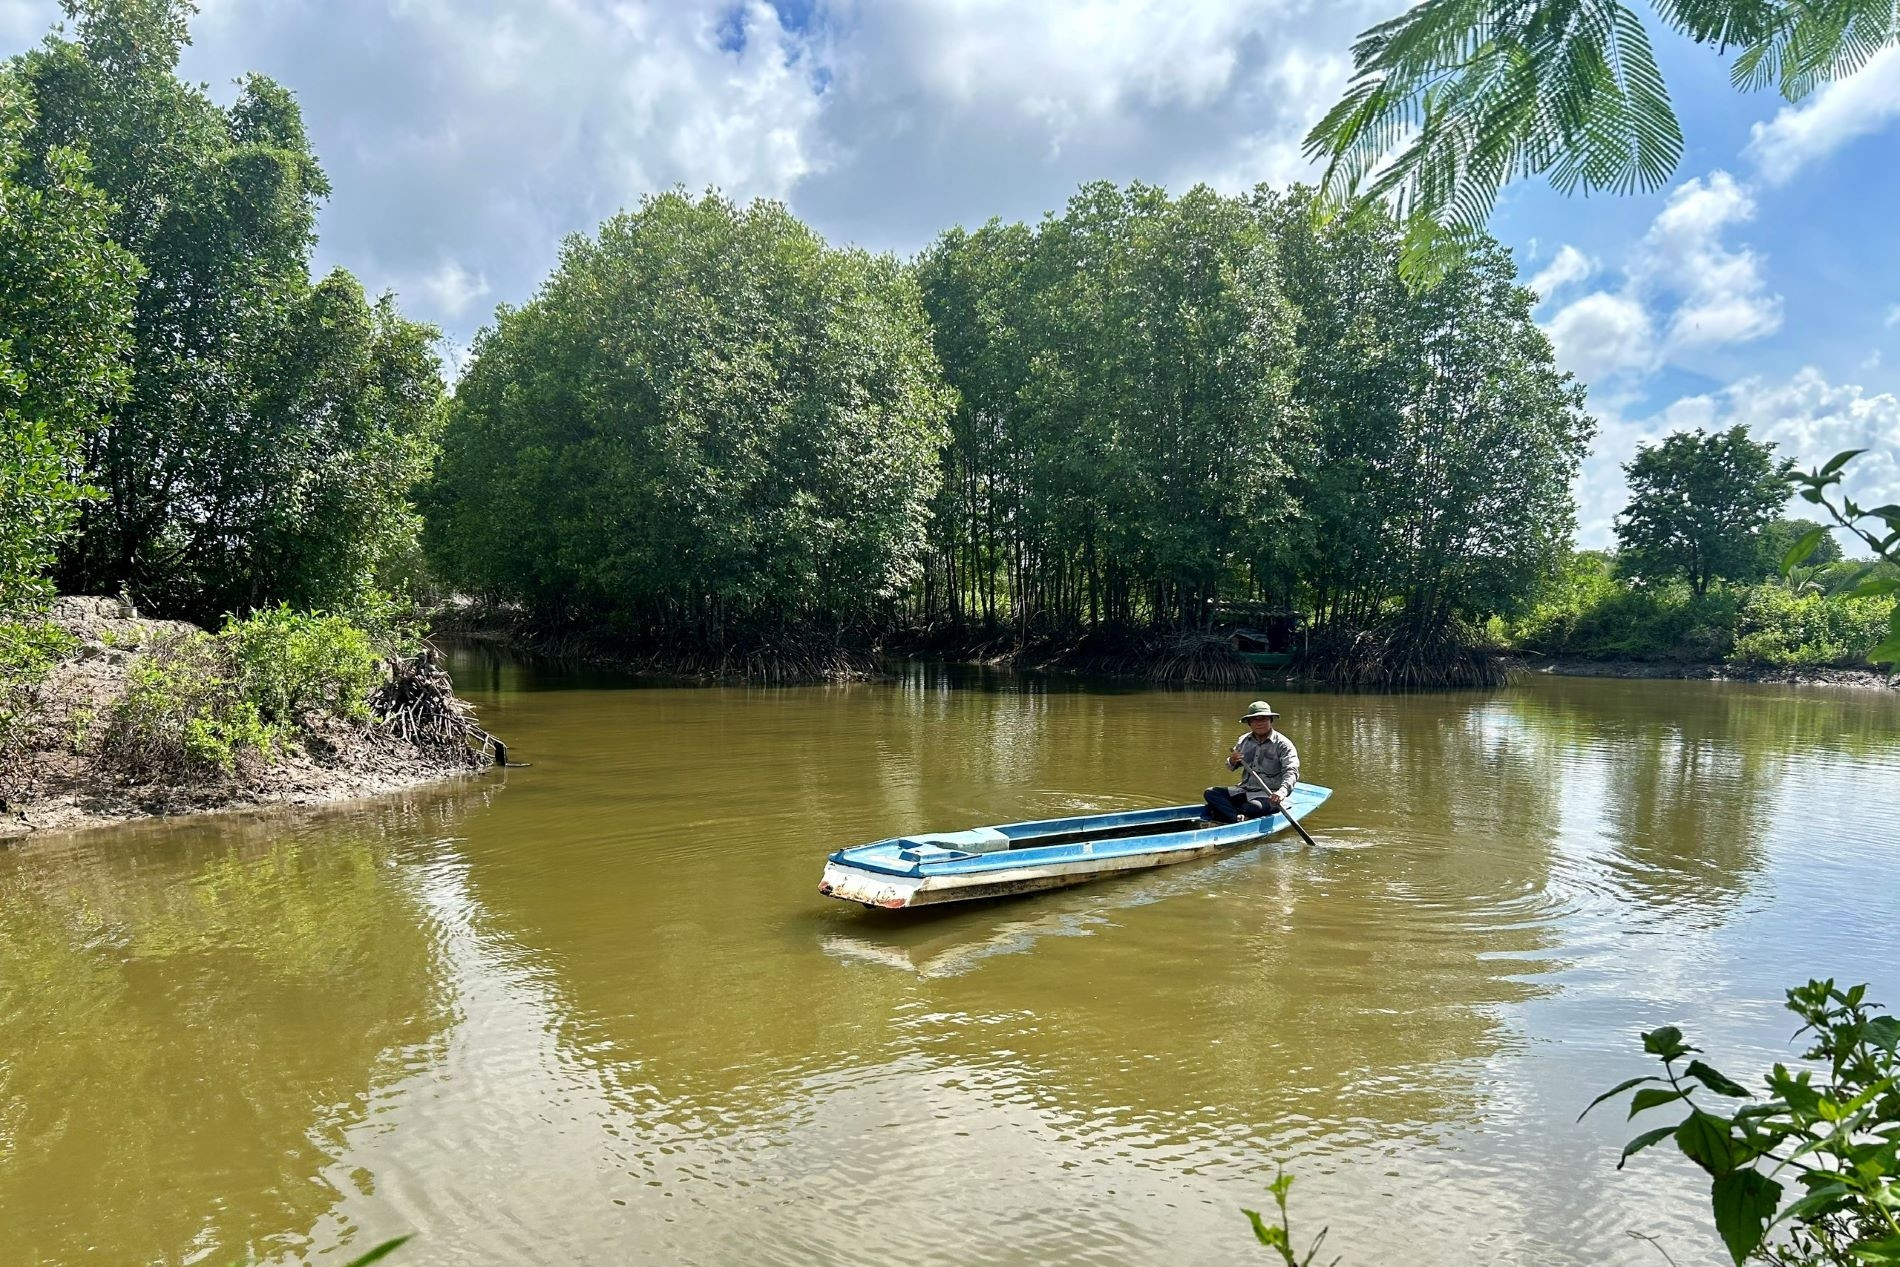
784, 656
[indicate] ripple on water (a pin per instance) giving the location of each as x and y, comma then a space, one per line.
645, 1040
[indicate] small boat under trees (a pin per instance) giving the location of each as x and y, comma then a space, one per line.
959, 866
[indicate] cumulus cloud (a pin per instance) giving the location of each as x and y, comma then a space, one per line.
452, 288
1808, 418
1859, 105
1811, 419
1683, 279
484, 133
1722, 297
1602, 334
1569, 265
944, 112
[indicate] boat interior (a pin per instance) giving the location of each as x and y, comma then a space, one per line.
1188, 823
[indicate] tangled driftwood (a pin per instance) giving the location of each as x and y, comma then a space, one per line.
417, 703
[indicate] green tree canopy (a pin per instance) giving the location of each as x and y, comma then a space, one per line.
706, 424
1124, 419
65, 299
273, 429
1778, 536
1169, 401
1698, 506
1443, 438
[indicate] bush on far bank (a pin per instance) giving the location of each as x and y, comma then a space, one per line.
1780, 626
1592, 613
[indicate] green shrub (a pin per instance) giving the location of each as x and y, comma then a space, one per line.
1779, 626
182, 715
28, 650
289, 663
1552, 621
1588, 611
199, 705
1827, 1137
1596, 615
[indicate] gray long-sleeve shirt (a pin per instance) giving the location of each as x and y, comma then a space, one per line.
1274, 760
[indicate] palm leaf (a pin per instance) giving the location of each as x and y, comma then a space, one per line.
1453, 99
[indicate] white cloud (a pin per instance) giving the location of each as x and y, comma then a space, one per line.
1602, 334
1893, 316
1682, 278
1065, 64
944, 112
1722, 298
1812, 419
1600, 488
483, 133
1853, 107
452, 288
636, 97
1569, 265
1808, 418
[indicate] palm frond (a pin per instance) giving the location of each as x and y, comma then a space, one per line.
1454, 99
1813, 42
1724, 23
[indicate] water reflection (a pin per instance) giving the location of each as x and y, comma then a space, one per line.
192, 1019
595, 1011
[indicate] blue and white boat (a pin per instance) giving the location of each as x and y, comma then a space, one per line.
959, 866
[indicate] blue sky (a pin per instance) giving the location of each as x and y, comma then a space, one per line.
464, 140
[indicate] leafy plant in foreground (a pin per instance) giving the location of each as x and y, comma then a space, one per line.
1814, 486
1279, 1236
378, 1253
1835, 1130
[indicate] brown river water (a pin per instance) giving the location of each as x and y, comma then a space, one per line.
594, 1011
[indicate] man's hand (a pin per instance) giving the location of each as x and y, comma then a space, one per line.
1234, 759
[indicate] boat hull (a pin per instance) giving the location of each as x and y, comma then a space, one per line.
986, 862
894, 892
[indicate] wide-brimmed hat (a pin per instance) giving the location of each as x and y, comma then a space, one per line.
1259, 708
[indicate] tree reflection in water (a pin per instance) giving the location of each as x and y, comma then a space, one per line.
194, 1014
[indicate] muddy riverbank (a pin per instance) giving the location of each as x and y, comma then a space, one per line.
1696, 671
62, 776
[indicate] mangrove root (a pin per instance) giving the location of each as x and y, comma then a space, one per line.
417, 703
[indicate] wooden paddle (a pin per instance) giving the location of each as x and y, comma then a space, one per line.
1247, 769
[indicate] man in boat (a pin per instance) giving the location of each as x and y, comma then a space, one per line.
1269, 766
